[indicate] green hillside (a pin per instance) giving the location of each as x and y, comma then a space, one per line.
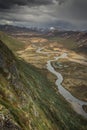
11, 42
28, 100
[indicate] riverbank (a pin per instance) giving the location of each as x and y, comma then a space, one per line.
76, 103
75, 77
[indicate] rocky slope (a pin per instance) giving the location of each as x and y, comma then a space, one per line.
8, 77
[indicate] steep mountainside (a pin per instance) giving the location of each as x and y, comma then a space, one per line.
28, 100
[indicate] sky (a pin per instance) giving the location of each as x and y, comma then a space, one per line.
71, 14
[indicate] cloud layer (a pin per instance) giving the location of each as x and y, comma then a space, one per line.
6, 4
44, 12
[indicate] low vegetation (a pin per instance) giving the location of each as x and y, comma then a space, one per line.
75, 76
29, 100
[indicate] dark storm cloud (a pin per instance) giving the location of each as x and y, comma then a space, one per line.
7, 4
44, 11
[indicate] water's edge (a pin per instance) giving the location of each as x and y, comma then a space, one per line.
76, 103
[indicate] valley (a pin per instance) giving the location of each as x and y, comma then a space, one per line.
73, 67
39, 97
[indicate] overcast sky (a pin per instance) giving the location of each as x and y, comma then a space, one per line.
71, 13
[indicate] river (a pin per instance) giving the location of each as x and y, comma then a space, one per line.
75, 102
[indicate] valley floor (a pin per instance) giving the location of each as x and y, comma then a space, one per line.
73, 68
37, 104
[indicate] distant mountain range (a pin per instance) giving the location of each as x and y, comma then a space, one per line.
80, 37
11, 28
15, 29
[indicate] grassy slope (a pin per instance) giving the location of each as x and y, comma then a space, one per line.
12, 43
36, 105
68, 43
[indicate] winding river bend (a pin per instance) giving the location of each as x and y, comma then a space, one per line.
76, 103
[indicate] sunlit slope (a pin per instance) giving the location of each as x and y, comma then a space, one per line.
11, 42
28, 100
